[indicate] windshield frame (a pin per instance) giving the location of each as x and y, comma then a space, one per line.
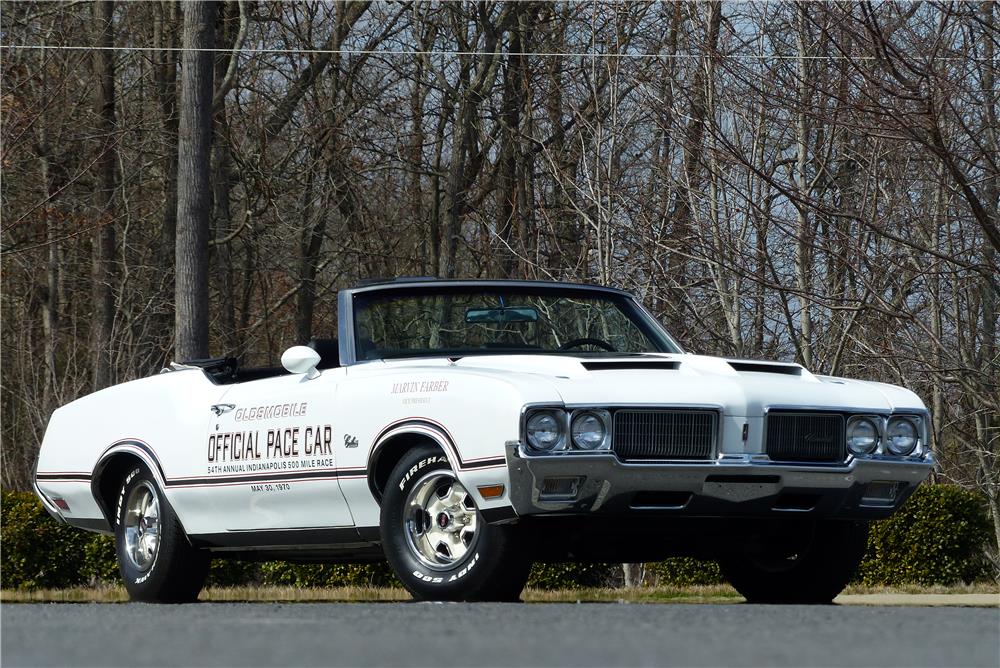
628, 304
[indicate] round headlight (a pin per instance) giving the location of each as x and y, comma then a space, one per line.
589, 431
901, 436
862, 436
544, 430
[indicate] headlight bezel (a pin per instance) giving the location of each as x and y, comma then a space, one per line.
883, 423
561, 421
915, 423
603, 416
876, 423
566, 415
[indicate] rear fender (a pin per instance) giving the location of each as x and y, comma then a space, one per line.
134, 448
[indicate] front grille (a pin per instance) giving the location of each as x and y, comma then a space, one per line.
805, 437
663, 434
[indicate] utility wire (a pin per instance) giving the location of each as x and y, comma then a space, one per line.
415, 52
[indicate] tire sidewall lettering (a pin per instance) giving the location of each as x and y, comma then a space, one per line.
430, 579
445, 578
139, 578
121, 495
465, 569
419, 466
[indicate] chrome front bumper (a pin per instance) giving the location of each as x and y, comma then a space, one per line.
731, 486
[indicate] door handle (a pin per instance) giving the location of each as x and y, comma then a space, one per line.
219, 409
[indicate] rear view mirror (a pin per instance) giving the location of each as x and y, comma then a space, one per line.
501, 315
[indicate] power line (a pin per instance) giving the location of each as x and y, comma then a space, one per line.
417, 52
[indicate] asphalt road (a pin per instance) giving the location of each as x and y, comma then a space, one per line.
434, 634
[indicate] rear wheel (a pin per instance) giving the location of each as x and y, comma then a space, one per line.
436, 540
154, 556
815, 570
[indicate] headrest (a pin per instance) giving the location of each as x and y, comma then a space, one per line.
329, 352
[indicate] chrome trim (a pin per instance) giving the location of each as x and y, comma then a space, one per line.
881, 417
606, 479
713, 449
47, 503
877, 421
601, 414
345, 320
345, 307
804, 412
527, 451
915, 421
861, 410
562, 415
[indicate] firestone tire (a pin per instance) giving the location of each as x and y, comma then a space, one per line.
155, 559
436, 540
816, 574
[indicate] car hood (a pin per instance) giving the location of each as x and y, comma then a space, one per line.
742, 387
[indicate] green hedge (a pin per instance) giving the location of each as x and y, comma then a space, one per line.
937, 537
571, 575
37, 552
684, 571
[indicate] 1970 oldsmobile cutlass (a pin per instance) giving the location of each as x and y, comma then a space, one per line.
463, 429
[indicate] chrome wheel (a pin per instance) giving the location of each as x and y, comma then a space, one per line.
441, 522
142, 525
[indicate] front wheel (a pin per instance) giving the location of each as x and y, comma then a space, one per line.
436, 540
154, 556
818, 567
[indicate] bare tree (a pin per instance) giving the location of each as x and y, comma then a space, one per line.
194, 194
104, 234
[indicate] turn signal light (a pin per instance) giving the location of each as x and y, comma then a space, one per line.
490, 491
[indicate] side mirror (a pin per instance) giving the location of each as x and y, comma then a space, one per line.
301, 359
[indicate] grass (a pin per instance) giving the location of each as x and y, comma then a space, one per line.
975, 588
659, 594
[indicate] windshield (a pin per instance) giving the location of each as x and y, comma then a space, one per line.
479, 320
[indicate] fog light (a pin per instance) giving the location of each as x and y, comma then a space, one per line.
880, 493
563, 487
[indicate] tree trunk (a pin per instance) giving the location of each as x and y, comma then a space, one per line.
803, 249
682, 215
988, 356
104, 234
508, 200
223, 181
194, 195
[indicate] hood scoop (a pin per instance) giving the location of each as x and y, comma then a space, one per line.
630, 364
766, 367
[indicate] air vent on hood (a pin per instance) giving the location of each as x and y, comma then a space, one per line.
764, 367
615, 366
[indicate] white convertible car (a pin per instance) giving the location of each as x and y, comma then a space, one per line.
463, 429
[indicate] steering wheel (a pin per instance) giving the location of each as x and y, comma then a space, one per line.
586, 341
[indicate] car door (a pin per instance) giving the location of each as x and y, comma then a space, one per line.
270, 454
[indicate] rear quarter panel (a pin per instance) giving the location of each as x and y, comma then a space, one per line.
167, 414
